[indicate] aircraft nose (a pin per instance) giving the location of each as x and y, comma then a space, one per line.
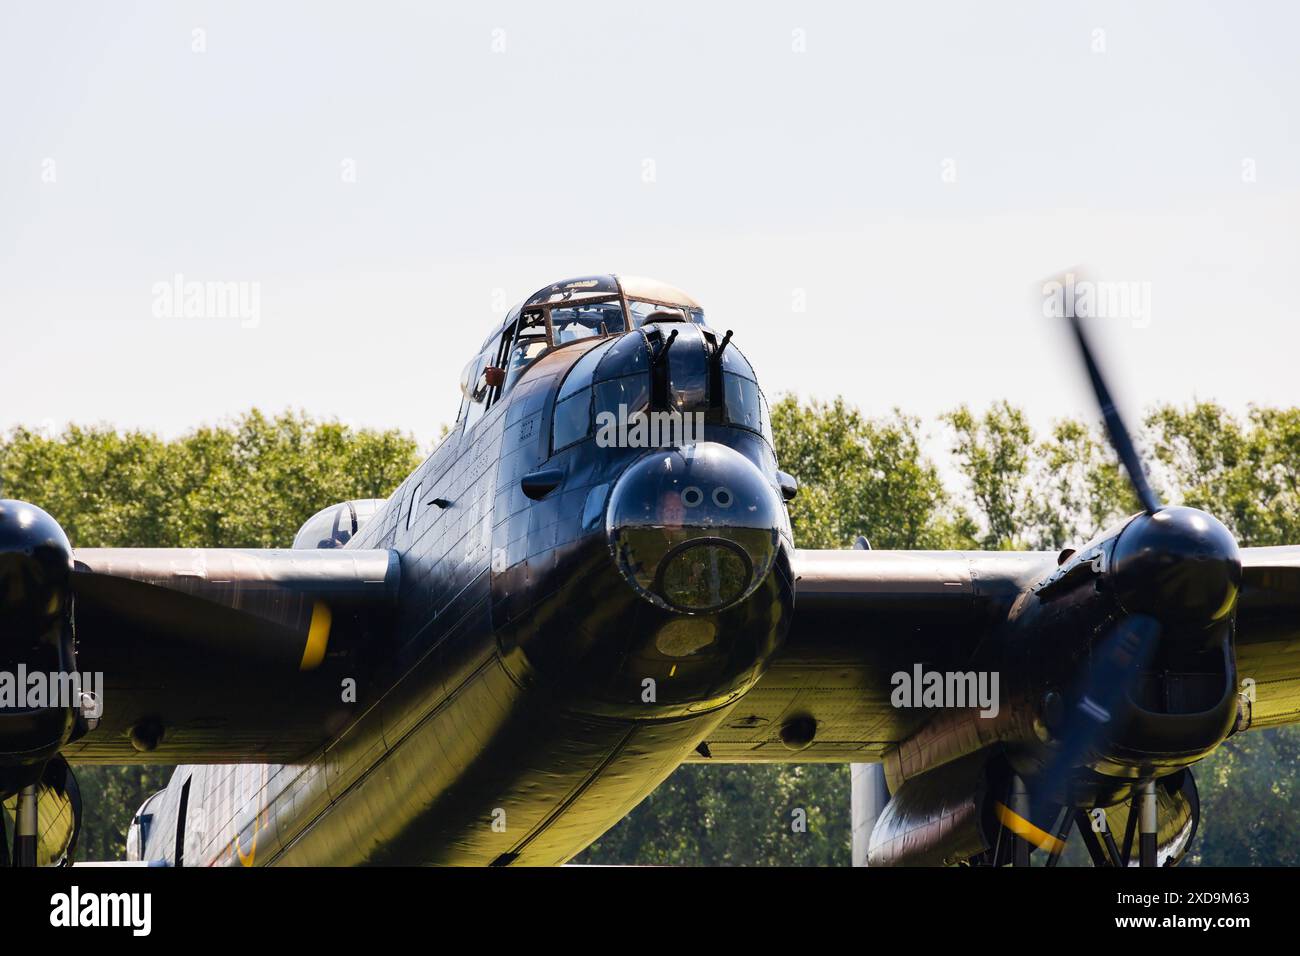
696, 529
35, 569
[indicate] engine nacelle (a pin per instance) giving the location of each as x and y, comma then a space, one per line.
36, 643
58, 812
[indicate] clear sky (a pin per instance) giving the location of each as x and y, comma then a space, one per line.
869, 194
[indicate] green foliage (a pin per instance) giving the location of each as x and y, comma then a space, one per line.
1250, 801
251, 483
1245, 474
248, 484
736, 815
1078, 489
993, 453
862, 477
109, 798
254, 481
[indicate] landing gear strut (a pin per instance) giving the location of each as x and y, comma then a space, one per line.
1012, 848
1020, 848
1148, 821
25, 827
1096, 852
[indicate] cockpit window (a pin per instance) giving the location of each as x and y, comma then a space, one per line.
592, 287
733, 361
529, 343
579, 376
653, 312
585, 320
628, 354
742, 401
474, 388
745, 403
572, 419
566, 312
335, 526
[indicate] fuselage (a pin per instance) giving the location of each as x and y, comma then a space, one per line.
578, 609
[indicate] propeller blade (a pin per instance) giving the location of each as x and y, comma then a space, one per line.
1120, 438
1111, 678
1113, 675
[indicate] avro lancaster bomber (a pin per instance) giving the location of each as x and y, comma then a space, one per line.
496, 663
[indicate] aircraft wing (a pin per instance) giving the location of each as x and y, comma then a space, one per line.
1268, 634
239, 654
224, 655
862, 616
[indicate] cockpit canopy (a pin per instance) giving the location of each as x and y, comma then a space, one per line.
590, 307
335, 526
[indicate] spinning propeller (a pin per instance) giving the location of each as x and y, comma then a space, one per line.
1174, 573
1120, 440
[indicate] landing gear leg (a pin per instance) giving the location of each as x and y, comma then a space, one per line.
25, 827
1062, 835
1020, 848
1130, 828
1112, 849
1095, 851
1148, 821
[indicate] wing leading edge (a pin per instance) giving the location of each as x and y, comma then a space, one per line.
223, 655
